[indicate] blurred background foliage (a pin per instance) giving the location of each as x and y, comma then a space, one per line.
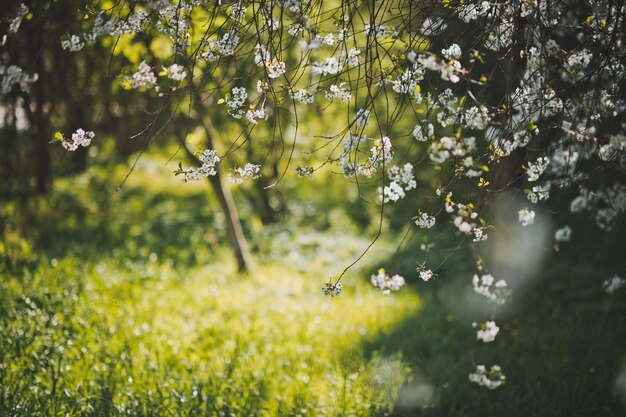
118, 295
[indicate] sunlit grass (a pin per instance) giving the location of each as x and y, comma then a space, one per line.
204, 341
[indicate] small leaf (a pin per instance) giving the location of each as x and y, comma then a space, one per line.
58, 137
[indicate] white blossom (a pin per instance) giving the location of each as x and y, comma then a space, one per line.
419, 135
491, 379
425, 221
208, 162
16, 21
452, 52
330, 67
535, 169
564, 234
176, 72
303, 96
362, 118
425, 273
613, 284
332, 290
79, 138
385, 283
248, 171
275, 68
487, 286
144, 76
487, 331
339, 92
526, 217
73, 43
235, 102
13, 75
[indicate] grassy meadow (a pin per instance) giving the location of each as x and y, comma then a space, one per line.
127, 303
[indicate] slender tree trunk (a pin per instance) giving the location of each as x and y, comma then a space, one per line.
236, 236
235, 231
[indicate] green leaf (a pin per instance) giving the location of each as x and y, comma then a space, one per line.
58, 137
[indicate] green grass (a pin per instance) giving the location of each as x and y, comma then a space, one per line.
127, 303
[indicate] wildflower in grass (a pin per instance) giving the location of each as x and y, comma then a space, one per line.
385, 283
612, 285
487, 331
526, 217
492, 378
331, 289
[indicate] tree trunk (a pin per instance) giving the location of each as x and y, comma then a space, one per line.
236, 236
235, 231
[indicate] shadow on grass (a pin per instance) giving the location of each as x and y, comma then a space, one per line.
561, 343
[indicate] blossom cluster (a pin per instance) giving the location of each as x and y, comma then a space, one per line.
526, 217
9, 76
214, 49
424, 220
537, 168
564, 234
331, 289
79, 138
487, 286
425, 274
464, 218
176, 72
235, 102
420, 136
144, 76
385, 283
612, 285
487, 331
208, 162
338, 92
492, 378
248, 171
381, 154
400, 181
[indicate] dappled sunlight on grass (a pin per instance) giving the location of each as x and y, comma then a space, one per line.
206, 339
